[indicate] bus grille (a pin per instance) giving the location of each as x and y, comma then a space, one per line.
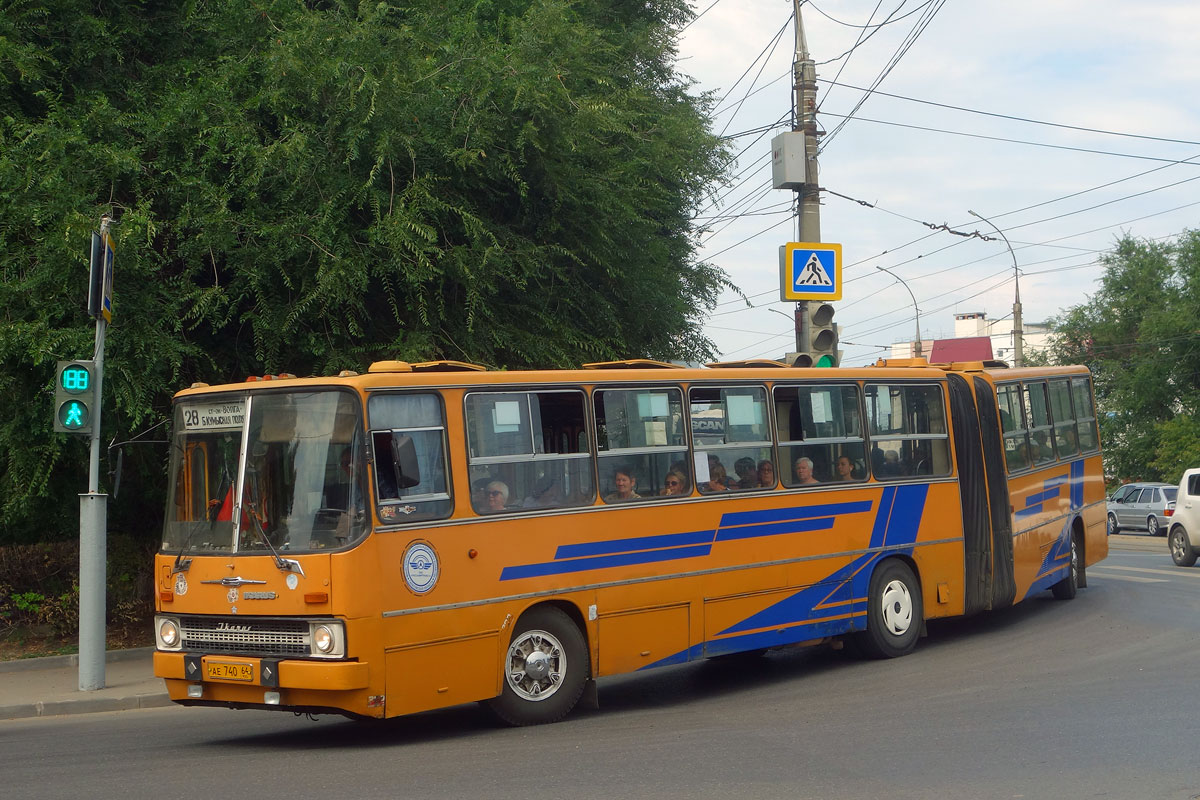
283, 637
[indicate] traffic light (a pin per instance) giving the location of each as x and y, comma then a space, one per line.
75, 396
819, 333
822, 336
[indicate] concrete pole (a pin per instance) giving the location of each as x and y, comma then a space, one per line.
1018, 333
93, 535
804, 74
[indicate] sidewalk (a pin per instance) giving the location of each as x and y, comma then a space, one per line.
46, 687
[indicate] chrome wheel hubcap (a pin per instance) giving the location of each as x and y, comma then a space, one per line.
536, 665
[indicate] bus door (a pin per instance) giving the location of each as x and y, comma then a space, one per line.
983, 489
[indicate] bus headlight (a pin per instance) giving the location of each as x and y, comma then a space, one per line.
166, 631
327, 639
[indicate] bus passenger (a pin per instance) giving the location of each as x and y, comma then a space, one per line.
804, 471
546, 493
716, 479
845, 469
625, 483
746, 473
497, 496
766, 474
675, 483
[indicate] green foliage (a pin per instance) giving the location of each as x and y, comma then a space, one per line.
1140, 336
308, 187
38, 586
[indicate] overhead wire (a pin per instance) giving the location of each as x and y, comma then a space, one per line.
1017, 141
1016, 118
765, 61
922, 23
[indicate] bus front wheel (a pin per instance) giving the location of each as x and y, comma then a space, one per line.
894, 612
545, 669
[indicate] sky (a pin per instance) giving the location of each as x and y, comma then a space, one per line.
1114, 67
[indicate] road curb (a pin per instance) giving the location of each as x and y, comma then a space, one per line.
71, 660
86, 705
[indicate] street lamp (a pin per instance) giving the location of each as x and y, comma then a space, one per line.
795, 321
917, 311
1018, 349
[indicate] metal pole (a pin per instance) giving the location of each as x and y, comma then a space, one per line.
93, 555
917, 349
1018, 335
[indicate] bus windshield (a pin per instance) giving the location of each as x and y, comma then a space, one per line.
270, 471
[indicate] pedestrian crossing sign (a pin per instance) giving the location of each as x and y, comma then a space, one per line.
810, 271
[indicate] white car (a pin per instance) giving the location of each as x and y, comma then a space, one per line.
1183, 536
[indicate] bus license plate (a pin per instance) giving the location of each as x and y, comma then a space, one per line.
225, 671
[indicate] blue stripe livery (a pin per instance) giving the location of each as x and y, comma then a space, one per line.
1051, 488
832, 605
1058, 556
673, 546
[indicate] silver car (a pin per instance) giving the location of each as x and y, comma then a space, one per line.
1142, 506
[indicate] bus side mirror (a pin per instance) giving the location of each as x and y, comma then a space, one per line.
404, 461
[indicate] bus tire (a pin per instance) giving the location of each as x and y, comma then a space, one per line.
1068, 586
545, 669
894, 612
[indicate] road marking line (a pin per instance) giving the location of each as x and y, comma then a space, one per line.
1130, 578
1171, 572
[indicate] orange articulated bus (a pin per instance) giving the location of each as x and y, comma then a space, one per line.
432, 534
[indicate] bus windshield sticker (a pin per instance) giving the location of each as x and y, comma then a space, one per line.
215, 416
701, 465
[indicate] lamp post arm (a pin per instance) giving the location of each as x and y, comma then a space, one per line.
1018, 334
917, 342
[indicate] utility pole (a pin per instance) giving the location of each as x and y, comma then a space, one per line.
804, 121
810, 270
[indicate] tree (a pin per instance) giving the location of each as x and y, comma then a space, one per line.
1140, 336
308, 187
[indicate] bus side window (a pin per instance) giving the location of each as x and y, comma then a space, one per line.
408, 440
820, 434
640, 441
528, 451
907, 427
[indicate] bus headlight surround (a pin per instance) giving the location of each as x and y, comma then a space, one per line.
166, 630
327, 639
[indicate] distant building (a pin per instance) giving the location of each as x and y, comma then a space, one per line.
975, 335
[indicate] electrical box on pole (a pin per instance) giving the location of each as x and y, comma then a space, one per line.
75, 397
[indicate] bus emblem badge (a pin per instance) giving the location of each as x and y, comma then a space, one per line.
232, 595
420, 567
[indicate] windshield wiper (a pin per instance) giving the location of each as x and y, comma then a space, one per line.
283, 564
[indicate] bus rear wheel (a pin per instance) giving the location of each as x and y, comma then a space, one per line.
1067, 587
895, 612
545, 669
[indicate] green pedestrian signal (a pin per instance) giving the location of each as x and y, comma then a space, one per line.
74, 396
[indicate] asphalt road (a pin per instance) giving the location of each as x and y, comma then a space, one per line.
1092, 697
